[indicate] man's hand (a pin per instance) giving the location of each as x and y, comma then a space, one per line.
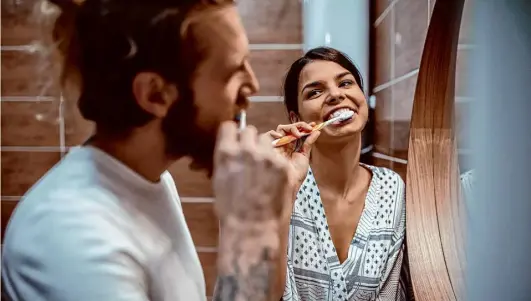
252, 189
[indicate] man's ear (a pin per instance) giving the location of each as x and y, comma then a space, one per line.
293, 117
153, 94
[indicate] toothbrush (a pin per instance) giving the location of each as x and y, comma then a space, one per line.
290, 138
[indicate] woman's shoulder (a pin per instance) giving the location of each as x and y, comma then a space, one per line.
387, 175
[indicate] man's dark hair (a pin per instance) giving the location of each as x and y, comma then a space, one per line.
106, 43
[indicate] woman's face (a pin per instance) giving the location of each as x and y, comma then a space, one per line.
324, 88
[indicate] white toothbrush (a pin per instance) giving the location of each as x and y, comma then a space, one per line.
290, 138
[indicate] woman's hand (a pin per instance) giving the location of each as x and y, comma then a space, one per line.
299, 159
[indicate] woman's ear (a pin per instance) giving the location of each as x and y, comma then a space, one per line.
293, 117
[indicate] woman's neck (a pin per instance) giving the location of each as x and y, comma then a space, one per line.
336, 167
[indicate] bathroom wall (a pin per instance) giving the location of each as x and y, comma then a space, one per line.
37, 131
399, 31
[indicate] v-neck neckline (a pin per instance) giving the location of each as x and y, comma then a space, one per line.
362, 229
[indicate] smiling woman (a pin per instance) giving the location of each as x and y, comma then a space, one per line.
345, 236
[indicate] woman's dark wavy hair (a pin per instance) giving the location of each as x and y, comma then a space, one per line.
291, 82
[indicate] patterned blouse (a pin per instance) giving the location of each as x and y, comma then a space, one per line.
373, 267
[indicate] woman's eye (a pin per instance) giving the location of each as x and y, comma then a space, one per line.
312, 93
345, 83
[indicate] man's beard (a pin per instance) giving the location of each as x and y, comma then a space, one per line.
185, 138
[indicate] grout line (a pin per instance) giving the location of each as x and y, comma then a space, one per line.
30, 148
62, 135
394, 81
380, 18
27, 98
388, 158
10, 198
273, 46
196, 200
206, 249
266, 98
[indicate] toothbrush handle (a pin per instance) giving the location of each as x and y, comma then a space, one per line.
290, 138
286, 140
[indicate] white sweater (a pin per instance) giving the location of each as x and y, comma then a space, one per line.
94, 230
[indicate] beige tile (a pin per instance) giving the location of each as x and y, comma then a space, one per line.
29, 74
271, 67
382, 51
203, 223
30, 123
210, 270
20, 170
272, 21
7, 210
411, 23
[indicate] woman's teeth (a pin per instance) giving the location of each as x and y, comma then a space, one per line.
339, 113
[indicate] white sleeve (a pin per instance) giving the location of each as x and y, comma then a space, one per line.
65, 256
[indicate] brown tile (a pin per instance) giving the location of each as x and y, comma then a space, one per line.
270, 67
266, 116
399, 138
272, 21
20, 170
19, 27
403, 94
203, 223
7, 210
462, 74
30, 123
190, 183
382, 52
210, 270
29, 74
77, 129
382, 121
399, 168
379, 7
411, 23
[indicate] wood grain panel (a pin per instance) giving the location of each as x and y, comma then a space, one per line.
271, 67
202, 222
20, 170
26, 73
30, 123
8, 206
272, 21
209, 264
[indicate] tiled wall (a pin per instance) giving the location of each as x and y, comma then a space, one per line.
36, 132
399, 31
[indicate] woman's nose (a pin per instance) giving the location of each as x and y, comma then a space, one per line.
336, 95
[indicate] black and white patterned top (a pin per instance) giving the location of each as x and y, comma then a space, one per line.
372, 269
